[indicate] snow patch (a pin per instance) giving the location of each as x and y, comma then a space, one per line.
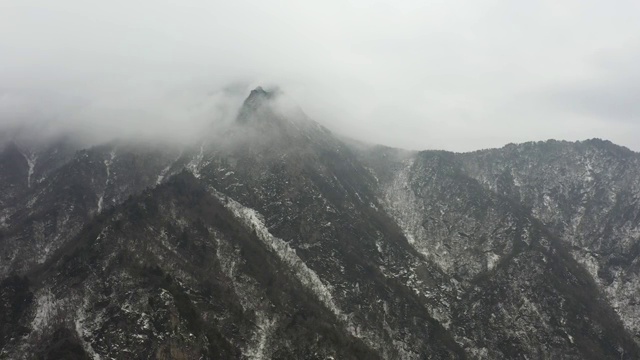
588, 261
108, 162
492, 260
84, 332
31, 162
164, 171
265, 328
46, 309
107, 165
100, 201
194, 164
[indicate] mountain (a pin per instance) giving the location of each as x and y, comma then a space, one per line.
276, 239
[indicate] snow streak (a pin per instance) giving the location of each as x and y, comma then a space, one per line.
83, 332
253, 220
31, 162
308, 277
194, 165
165, 171
107, 165
401, 203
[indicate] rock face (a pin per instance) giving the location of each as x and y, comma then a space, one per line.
278, 239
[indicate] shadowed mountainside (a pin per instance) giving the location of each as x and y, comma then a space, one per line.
279, 239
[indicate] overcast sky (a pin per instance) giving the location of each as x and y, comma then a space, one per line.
457, 74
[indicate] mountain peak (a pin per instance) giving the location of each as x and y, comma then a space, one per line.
259, 91
256, 99
260, 94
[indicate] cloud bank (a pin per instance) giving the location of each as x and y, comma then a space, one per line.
456, 75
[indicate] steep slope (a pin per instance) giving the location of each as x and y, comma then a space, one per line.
520, 289
360, 258
24, 164
172, 273
14, 171
317, 198
67, 191
589, 194
274, 238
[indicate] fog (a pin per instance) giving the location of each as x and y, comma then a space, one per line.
456, 75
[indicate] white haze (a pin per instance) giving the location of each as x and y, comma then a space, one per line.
456, 75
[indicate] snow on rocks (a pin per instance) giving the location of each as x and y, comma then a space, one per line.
253, 220
83, 332
194, 164
107, 164
250, 299
31, 159
308, 277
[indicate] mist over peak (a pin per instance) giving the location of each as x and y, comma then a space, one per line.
394, 74
257, 99
176, 113
163, 194
260, 93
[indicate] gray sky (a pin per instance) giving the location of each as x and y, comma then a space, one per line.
456, 75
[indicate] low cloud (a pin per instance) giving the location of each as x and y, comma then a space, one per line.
612, 93
456, 75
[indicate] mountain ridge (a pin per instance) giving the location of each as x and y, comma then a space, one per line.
389, 253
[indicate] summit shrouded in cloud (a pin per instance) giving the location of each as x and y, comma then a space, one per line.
205, 180
457, 75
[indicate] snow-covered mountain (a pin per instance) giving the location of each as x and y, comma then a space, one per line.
278, 239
